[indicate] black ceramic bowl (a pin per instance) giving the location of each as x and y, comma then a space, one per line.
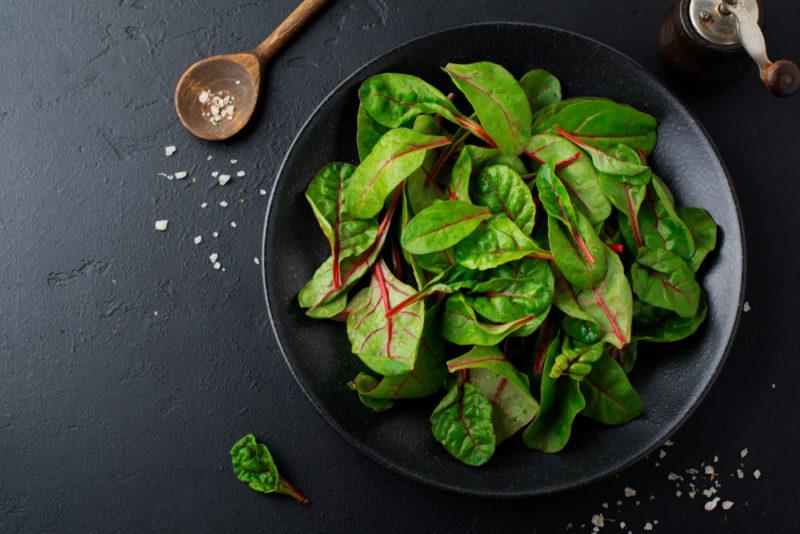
671, 379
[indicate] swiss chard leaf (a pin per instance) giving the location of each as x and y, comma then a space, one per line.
502, 385
385, 342
502, 190
704, 233
394, 99
398, 153
663, 279
513, 291
462, 423
610, 398
442, 225
559, 402
462, 327
619, 159
662, 326
566, 299
542, 89
421, 194
253, 464
499, 101
660, 225
609, 304
368, 132
576, 362
580, 256
493, 243
581, 332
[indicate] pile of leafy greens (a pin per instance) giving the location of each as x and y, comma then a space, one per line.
531, 237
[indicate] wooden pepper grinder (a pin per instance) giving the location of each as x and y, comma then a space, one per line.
707, 42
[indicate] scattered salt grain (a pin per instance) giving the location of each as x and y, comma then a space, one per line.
161, 225
637, 503
707, 493
739, 474
215, 234
746, 308
256, 260
669, 443
744, 452
629, 492
167, 176
238, 82
622, 524
198, 239
605, 505
262, 192
204, 96
209, 158
773, 385
234, 161
215, 174
710, 505
619, 503
224, 179
678, 493
213, 257
716, 458
240, 173
662, 454
757, 474
709, 470
217, 265
169, 150
223, 203
203, 205
652, 497
727, 505
598, 520
180, 175
233, 224
648, 526
673, 477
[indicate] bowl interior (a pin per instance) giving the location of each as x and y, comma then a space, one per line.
670, 378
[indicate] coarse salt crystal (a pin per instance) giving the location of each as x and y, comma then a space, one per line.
209, 157
662, 454
224, 179
629, 492
773, 385
709, 470
739, 474
215, 174
710, 505
234, 161
256, 260
648, 526
678, 493
213, 257
169, 150
223, 203
637, 503
598, 520
240, 173
204, 204
604, 505
180, 175
746, 308
744, 452
668, 443
238, 82
727, 505
217, 265
161, 225
619, 503
622, 524
673, 477
262, 192
716, 458
233, 224
215, 234
757, 474
204, 96
198, 239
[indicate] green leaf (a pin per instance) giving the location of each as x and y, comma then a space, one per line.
576, 172
581, 332
394, 99
663, 279
566, 299
560, 401
601, 122
662, 326
421, 194
580, 256
576, 362
660, 225
627, 198
499, 101
494, 242
619, 159
542, 89
626, 357
385, 342
610, 303
472, 159
704, 233
398, 153
253, 465
502, 190
462, 422
442, 225
502, 385
554, 196
610, 398
368, 132
405, 217
461, 326
513, 291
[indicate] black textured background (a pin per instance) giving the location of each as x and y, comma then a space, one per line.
113, 417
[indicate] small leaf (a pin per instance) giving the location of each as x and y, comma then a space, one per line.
462, 422
554, 196
461, 326
576, 362
442, 225
661, 326
513, 291
499, 101
619, 159
610, 303
470, 160
704, 233
502, 190
394, 99
494, 242
542, 89
663, 279
581, 332
253, 465
610, 398
660, 225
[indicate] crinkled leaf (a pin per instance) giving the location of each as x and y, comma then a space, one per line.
394, 99
576, 362
253, 465
609, 304
442, 225
704, 233
513, 291
494, 242
499, 101
581, 332
462, 327
462, 423
502, 190
661, 278
502, 385
580, 256
470, 160
386, 343
559, 402
610, 398
368, 132
398, 153
542, 89
662, 326
660, 225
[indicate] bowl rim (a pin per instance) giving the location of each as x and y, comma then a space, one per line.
553, 488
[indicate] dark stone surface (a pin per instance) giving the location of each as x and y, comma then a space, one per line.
114, 418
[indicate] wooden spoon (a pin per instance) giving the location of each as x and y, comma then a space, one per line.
237, 76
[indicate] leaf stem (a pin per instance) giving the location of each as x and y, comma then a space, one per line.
285, 487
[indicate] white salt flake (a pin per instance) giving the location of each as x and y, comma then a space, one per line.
648, 526
240, 173
662, 454
233, 224
757, 474
619, 503
637, 503
238, 82
198, 239
604, 505
773, 385
673, 477
716, 458
595, 529
598, 520
167, 176
256, 260
629, 492
678, 493
223, 203
262, 192
161, 225
234, 161
669, 443
204, 96
224, 179
744, 452
209, 158
710, 505
709, 470
622, 524
217, 265
727, 505
215, 174
215, 234
739, 474
180, 175
213, 257
746, 308
169, 150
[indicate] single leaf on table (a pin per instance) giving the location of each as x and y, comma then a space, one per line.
580, 331
253, 464
502, 190
495, 242
704, 233
580, 256
660, 225
368, 132
462, 327
601, 122
619, 159
442, 225
610, 398
398, 153
386, 343
462, 423
513, 291
542, 89
663, 279
421, 194
576, 362
394, 99
502, 385
662, 326
609, 304
559, 402
576, 172
499, 101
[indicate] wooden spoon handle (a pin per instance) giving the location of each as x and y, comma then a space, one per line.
270, 46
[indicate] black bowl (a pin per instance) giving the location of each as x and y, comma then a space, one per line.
671, 379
